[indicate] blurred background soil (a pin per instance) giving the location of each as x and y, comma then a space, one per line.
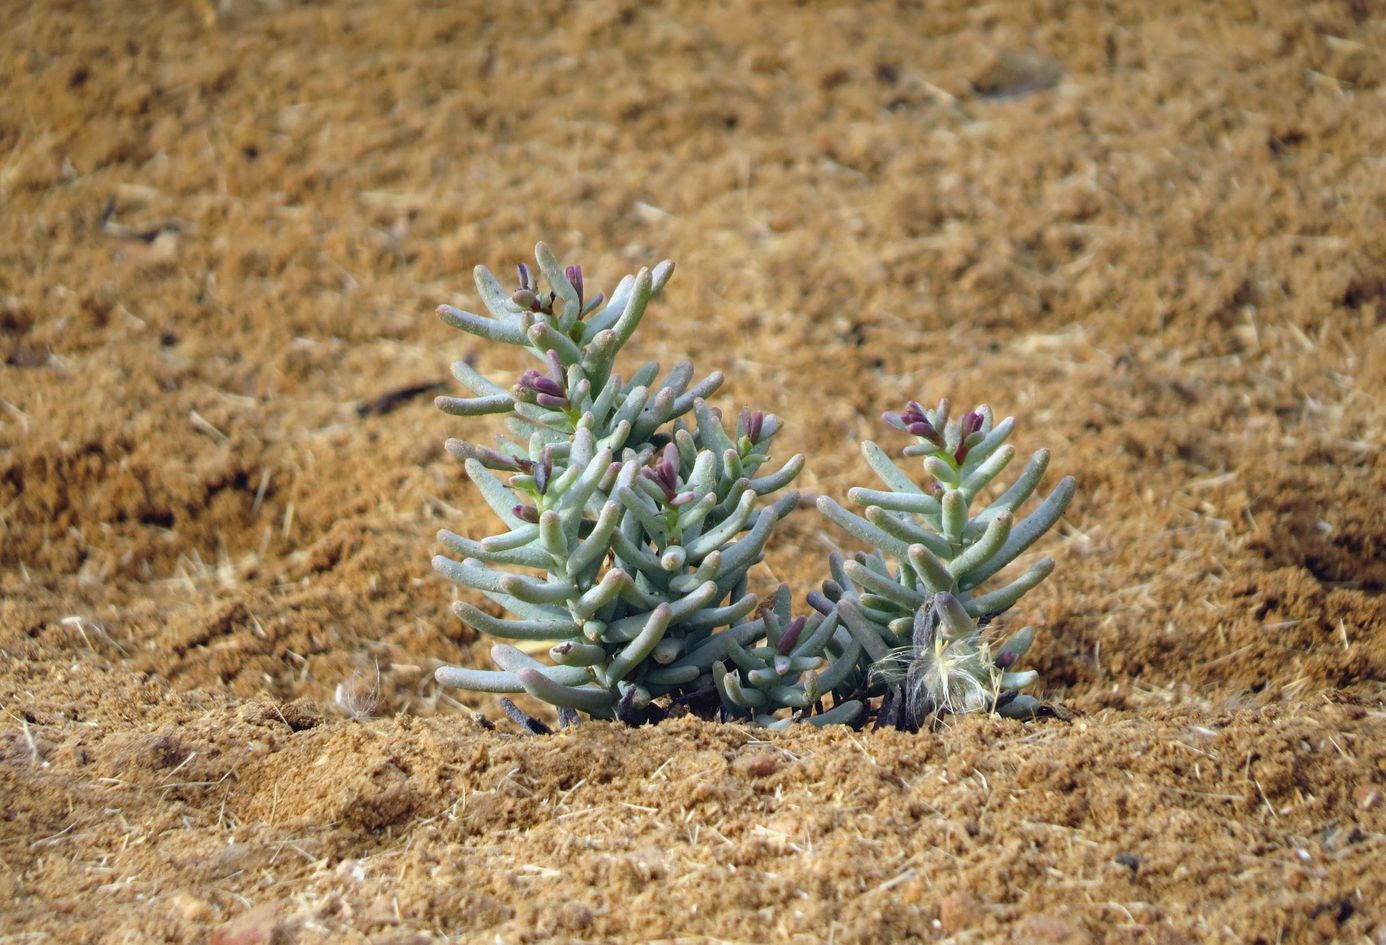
1151, 232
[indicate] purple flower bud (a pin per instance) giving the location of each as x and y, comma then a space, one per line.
791, 635
668, 477
925, 430
574, 274
550, 402
526, 513
538, 383
523, 272
1006, 659
754, 425
653, 475
665, 473
971, 422
915, 422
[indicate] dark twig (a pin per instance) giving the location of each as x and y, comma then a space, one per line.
107, 225
394, 399
523, 719
892, 709
626, 710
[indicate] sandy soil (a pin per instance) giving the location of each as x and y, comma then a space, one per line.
1150, 231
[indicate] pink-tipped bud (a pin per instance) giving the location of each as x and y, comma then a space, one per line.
574, 274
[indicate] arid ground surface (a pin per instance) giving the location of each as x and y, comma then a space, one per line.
1153, 232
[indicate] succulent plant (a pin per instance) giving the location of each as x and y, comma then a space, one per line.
920, 621
632, 516
802, 659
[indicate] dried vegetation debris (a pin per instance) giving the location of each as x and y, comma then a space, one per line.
887, 832
206, 267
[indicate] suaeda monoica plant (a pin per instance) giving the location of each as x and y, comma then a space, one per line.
919, 622
632, 514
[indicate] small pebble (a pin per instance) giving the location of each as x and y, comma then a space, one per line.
1049, 930
758, 764
957, 911
575, 916
190, 908
255, 927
